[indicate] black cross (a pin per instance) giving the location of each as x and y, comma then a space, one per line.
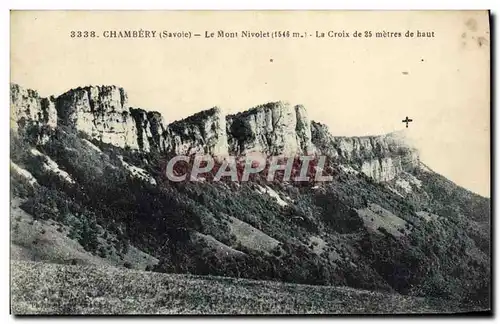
407, 121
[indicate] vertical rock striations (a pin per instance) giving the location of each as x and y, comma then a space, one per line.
151, 130
32, 115
27, 106
303, 130
143, 128
276, 128
159, 140
379, 157
100, 112
201, 133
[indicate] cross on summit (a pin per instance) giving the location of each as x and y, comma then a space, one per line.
407, 121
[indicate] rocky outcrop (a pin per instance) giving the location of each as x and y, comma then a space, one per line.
140, 117
303, 130
275, 128
151, 130
159, 139
100, 112
379, 157
31, 115
201, 133
27, 106
388, 168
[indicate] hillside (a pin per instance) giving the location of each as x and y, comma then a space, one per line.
89, 187
59, 289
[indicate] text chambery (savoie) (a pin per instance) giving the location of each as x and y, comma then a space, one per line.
139, 33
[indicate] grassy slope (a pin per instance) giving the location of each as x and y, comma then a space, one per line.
41, 288
48, 241
434, 259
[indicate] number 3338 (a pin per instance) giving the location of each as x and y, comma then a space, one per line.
82, 34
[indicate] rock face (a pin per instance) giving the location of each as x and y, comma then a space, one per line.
27, 106
275, 128
159, 140
100, 112
303, 130
151, 130
379, 157
201, 133
140, 117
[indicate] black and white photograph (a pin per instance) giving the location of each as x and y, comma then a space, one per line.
250, 162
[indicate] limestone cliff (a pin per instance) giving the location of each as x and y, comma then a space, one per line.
380, 157
151, 130
27, 106
204, 132
140, 117
276, 128
100, 112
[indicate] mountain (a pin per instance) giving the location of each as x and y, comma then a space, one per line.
88, 187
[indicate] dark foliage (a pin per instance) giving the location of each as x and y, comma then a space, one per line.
446, 257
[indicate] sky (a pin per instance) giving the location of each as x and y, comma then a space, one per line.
356, 86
